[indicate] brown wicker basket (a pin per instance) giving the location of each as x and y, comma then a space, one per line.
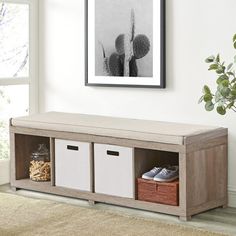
158, 192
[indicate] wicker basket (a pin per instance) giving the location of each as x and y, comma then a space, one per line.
158, 192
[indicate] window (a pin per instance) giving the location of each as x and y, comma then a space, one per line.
18, 64
14, 57
11, 105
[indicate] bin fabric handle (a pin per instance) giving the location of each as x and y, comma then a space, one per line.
112, 153
73, 148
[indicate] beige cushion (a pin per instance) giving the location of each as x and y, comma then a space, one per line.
163, 132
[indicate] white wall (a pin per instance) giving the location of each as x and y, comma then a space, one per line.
195, 30
5, 171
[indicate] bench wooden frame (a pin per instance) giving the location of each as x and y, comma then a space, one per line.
202, 162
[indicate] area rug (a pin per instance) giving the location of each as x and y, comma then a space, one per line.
30, 217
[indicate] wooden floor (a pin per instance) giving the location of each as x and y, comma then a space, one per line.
218, 220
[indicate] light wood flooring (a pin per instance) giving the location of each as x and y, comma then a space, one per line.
218, 220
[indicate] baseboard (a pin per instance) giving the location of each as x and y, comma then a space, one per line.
232, 197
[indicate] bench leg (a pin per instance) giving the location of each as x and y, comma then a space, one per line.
185, 218
15, 189
225, 206
91, 202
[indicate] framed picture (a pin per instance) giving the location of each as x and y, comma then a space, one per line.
125, 43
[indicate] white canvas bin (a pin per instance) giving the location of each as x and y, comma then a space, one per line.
73, 164
114, 170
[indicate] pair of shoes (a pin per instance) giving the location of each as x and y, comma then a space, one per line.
166, 174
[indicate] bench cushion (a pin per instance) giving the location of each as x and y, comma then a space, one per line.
163, 132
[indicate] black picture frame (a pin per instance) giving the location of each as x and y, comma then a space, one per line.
162, 53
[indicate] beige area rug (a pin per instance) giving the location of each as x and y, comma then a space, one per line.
25, 217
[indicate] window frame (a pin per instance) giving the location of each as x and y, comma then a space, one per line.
32, 80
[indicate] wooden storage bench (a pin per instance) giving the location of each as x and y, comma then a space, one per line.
200, 152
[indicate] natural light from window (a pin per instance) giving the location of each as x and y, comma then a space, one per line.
11, 106
14, 40
14, 63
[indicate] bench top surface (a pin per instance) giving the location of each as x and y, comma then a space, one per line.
164, 132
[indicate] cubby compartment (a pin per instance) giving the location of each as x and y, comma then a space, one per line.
152, 191
114, 170
73, 164
25, 145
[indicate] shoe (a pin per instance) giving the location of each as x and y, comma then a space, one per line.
167, 174
150, 174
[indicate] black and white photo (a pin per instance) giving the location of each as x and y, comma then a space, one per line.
125, 43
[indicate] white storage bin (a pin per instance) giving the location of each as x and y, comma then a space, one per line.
73, 164
114, 170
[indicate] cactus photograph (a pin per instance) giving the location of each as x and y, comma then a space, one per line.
122, 37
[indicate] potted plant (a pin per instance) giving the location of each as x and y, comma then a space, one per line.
224, 98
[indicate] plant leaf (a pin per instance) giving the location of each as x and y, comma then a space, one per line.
213, 67
220, 70
234, 38
225, 83
218, 58
230, 66
225, 91
235, 45
230, 73
209, 106
218, 96
234, 80
230, 105
221, 78
210, 59
233, 92
206, 90
221, 110
207, 97
201, 99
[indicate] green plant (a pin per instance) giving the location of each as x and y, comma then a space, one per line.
225, 96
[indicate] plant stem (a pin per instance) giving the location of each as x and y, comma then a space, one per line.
128, 44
